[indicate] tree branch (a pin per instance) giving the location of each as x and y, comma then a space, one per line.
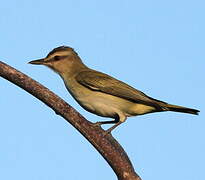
106, 145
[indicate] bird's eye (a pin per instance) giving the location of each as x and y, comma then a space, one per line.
57, 58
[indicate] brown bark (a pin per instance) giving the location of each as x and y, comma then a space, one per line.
106, 145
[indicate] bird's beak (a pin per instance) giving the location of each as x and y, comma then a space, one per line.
37, 62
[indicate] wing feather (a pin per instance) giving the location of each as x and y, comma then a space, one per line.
104, 83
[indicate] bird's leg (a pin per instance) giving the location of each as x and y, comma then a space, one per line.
119, 119
99, 123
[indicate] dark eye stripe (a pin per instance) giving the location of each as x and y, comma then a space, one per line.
56, 58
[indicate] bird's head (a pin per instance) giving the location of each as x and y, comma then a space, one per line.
60, 59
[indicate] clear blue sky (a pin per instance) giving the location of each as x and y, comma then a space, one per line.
156, 46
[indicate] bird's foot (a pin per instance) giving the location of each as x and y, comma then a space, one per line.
106, 133
97, 123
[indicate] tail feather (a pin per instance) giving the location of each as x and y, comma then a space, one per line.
170, 107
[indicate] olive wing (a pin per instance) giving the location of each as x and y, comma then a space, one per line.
98, 81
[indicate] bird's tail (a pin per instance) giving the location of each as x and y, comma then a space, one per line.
170, 107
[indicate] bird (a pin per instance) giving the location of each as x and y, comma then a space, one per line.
100, 93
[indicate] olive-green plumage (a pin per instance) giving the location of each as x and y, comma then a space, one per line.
100, 93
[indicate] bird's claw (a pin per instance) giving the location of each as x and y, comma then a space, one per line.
106, 133
97, 124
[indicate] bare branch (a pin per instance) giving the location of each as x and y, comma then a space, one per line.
106, 145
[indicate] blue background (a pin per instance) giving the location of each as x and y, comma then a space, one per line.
154, 45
